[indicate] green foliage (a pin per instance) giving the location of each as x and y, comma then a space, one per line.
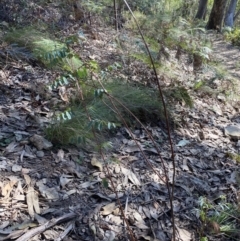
199, 84
50, 52
233, 36
78, 129
164, 31
222, 217
179, 93
105, 182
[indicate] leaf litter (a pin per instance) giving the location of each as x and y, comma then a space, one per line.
37, 188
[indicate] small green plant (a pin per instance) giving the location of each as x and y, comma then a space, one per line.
44, 48
218, 218
233, 36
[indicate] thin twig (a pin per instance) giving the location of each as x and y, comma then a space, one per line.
66, 231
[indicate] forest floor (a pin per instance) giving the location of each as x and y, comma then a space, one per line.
52, 193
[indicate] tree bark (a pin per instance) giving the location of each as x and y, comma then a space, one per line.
217, 15
229, 19
202, 8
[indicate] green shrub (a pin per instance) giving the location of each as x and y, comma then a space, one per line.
141, 101
47, 50
234, 36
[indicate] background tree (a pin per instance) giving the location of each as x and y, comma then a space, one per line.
229, 19
202, 9
217, 15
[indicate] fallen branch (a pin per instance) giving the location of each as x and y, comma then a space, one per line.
46, 226
66, 231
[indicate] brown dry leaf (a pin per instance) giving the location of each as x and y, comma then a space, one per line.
131, 176
4, 224
109, 235
16, 168
65, 179
49, 193
131, 149
184, 234
117, 169
96, 163
69, 193
8, 188
25, 224
51, 234
146, 212
27, 179
108, 208
141, 225
40, 219
19, 193
137, 216
116, 219
15, 234
93, 227
32, 202
63, 93
60, 156
150, 238
12, 147
214, 227
88, 184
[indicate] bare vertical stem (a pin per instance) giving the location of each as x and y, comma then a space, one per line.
115, 15
171, 194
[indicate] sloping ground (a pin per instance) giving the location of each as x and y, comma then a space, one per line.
228, 54
56, 193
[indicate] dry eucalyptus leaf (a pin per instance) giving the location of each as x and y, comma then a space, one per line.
27, 179
40, 219
32, 202
116, 219
65, 179
60, 156
150, 238
12, 147
183, 142
51, 234
4, 224
6, 190
184, 234
117, 169
16, 168
109, 235
69, 193
137, 216
49, 193
108, 208
96, 163
141, 225
93, 227
146, 212
88, 184
15, 234
131, 176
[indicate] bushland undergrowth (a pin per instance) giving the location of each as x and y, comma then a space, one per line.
98, 106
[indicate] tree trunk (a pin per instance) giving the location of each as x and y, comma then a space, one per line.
229, 19
202, 8
217, 15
